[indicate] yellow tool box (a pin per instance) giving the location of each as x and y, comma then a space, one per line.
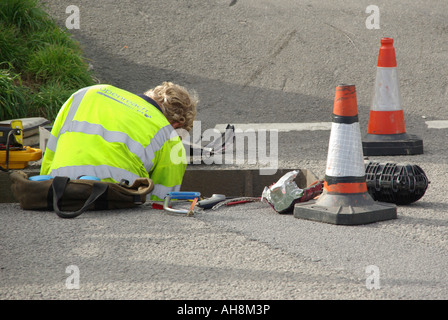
13, 155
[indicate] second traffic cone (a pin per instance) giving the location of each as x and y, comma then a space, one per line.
345, 199
386, 132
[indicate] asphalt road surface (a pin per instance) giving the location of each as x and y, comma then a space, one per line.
251, 61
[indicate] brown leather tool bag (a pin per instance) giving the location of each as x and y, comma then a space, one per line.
70, 198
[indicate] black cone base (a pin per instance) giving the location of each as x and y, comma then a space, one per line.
391, 144
346, 209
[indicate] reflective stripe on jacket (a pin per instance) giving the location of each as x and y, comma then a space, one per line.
112, 134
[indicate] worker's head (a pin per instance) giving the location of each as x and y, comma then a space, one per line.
177, 104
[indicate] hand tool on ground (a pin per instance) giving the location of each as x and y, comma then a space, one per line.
181, 195
210, 202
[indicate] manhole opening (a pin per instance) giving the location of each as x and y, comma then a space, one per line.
238, 182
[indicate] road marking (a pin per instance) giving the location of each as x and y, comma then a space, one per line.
437, 124
281, 127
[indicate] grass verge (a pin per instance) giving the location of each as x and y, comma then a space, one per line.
41, 65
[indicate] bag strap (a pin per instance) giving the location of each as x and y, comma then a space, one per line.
59, 184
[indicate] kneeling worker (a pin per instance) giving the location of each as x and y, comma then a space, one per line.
112, 134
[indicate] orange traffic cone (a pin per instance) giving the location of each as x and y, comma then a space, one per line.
345, 199
386, 132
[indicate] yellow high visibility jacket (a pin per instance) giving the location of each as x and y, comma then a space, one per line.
112, 134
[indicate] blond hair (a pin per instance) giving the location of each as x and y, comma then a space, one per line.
177, 104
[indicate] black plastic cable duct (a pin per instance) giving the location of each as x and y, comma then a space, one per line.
395, 183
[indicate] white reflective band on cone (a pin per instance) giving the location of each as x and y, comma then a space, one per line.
345, 157
387, 91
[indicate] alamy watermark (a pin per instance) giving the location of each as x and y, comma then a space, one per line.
72, 281
373, 277
373, 20
72, 21
253, 147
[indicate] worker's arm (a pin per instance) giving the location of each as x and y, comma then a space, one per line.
169, 169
